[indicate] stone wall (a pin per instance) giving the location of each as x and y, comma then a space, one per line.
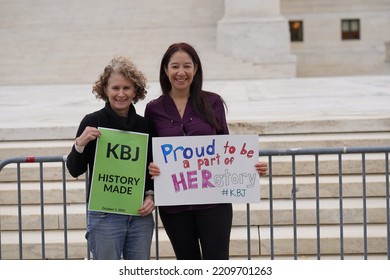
56, 41
323, 53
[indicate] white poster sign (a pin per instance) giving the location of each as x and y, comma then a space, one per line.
206, 169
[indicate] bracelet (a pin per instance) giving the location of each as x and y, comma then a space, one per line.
149, 192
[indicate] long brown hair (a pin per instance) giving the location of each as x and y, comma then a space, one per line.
198, 96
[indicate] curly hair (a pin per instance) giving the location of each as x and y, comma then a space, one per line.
125, 67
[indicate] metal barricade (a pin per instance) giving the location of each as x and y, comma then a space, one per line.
41, 160
269, 155
317, 152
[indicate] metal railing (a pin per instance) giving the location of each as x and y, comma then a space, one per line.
41, 160
271, 225
316, 152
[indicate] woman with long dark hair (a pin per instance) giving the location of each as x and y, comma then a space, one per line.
185, 109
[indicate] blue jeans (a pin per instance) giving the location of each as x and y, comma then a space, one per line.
113, 236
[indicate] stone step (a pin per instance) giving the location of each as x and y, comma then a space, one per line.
260, 242
35, 148
52, 192
259, 213
328, 140
54, 217
331, 132
54, 244
281, 189
62, 147
241, 125
306, 211
30, 172
352, 186
281, 166
54, 239
327, 164
330, 239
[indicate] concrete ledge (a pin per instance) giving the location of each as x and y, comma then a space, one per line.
273, 141
259, 214
268, 106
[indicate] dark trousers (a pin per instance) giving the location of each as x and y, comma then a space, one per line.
200, 234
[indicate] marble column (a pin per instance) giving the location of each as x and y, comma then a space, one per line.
255, 31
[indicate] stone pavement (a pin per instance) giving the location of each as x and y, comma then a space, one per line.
35, 111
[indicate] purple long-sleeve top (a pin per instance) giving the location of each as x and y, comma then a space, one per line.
164, 116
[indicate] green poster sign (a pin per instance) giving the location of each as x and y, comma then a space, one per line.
118, 179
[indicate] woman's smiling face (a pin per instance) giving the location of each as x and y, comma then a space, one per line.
120, 92
180, 71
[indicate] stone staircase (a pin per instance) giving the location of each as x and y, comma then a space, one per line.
370, 134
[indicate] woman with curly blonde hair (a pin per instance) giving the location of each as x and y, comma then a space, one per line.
110, 235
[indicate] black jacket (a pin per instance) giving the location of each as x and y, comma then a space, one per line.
78, 164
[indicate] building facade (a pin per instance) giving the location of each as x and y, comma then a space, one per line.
68, 42
339, 37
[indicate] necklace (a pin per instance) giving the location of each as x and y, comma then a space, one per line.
180, 103
181, 107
